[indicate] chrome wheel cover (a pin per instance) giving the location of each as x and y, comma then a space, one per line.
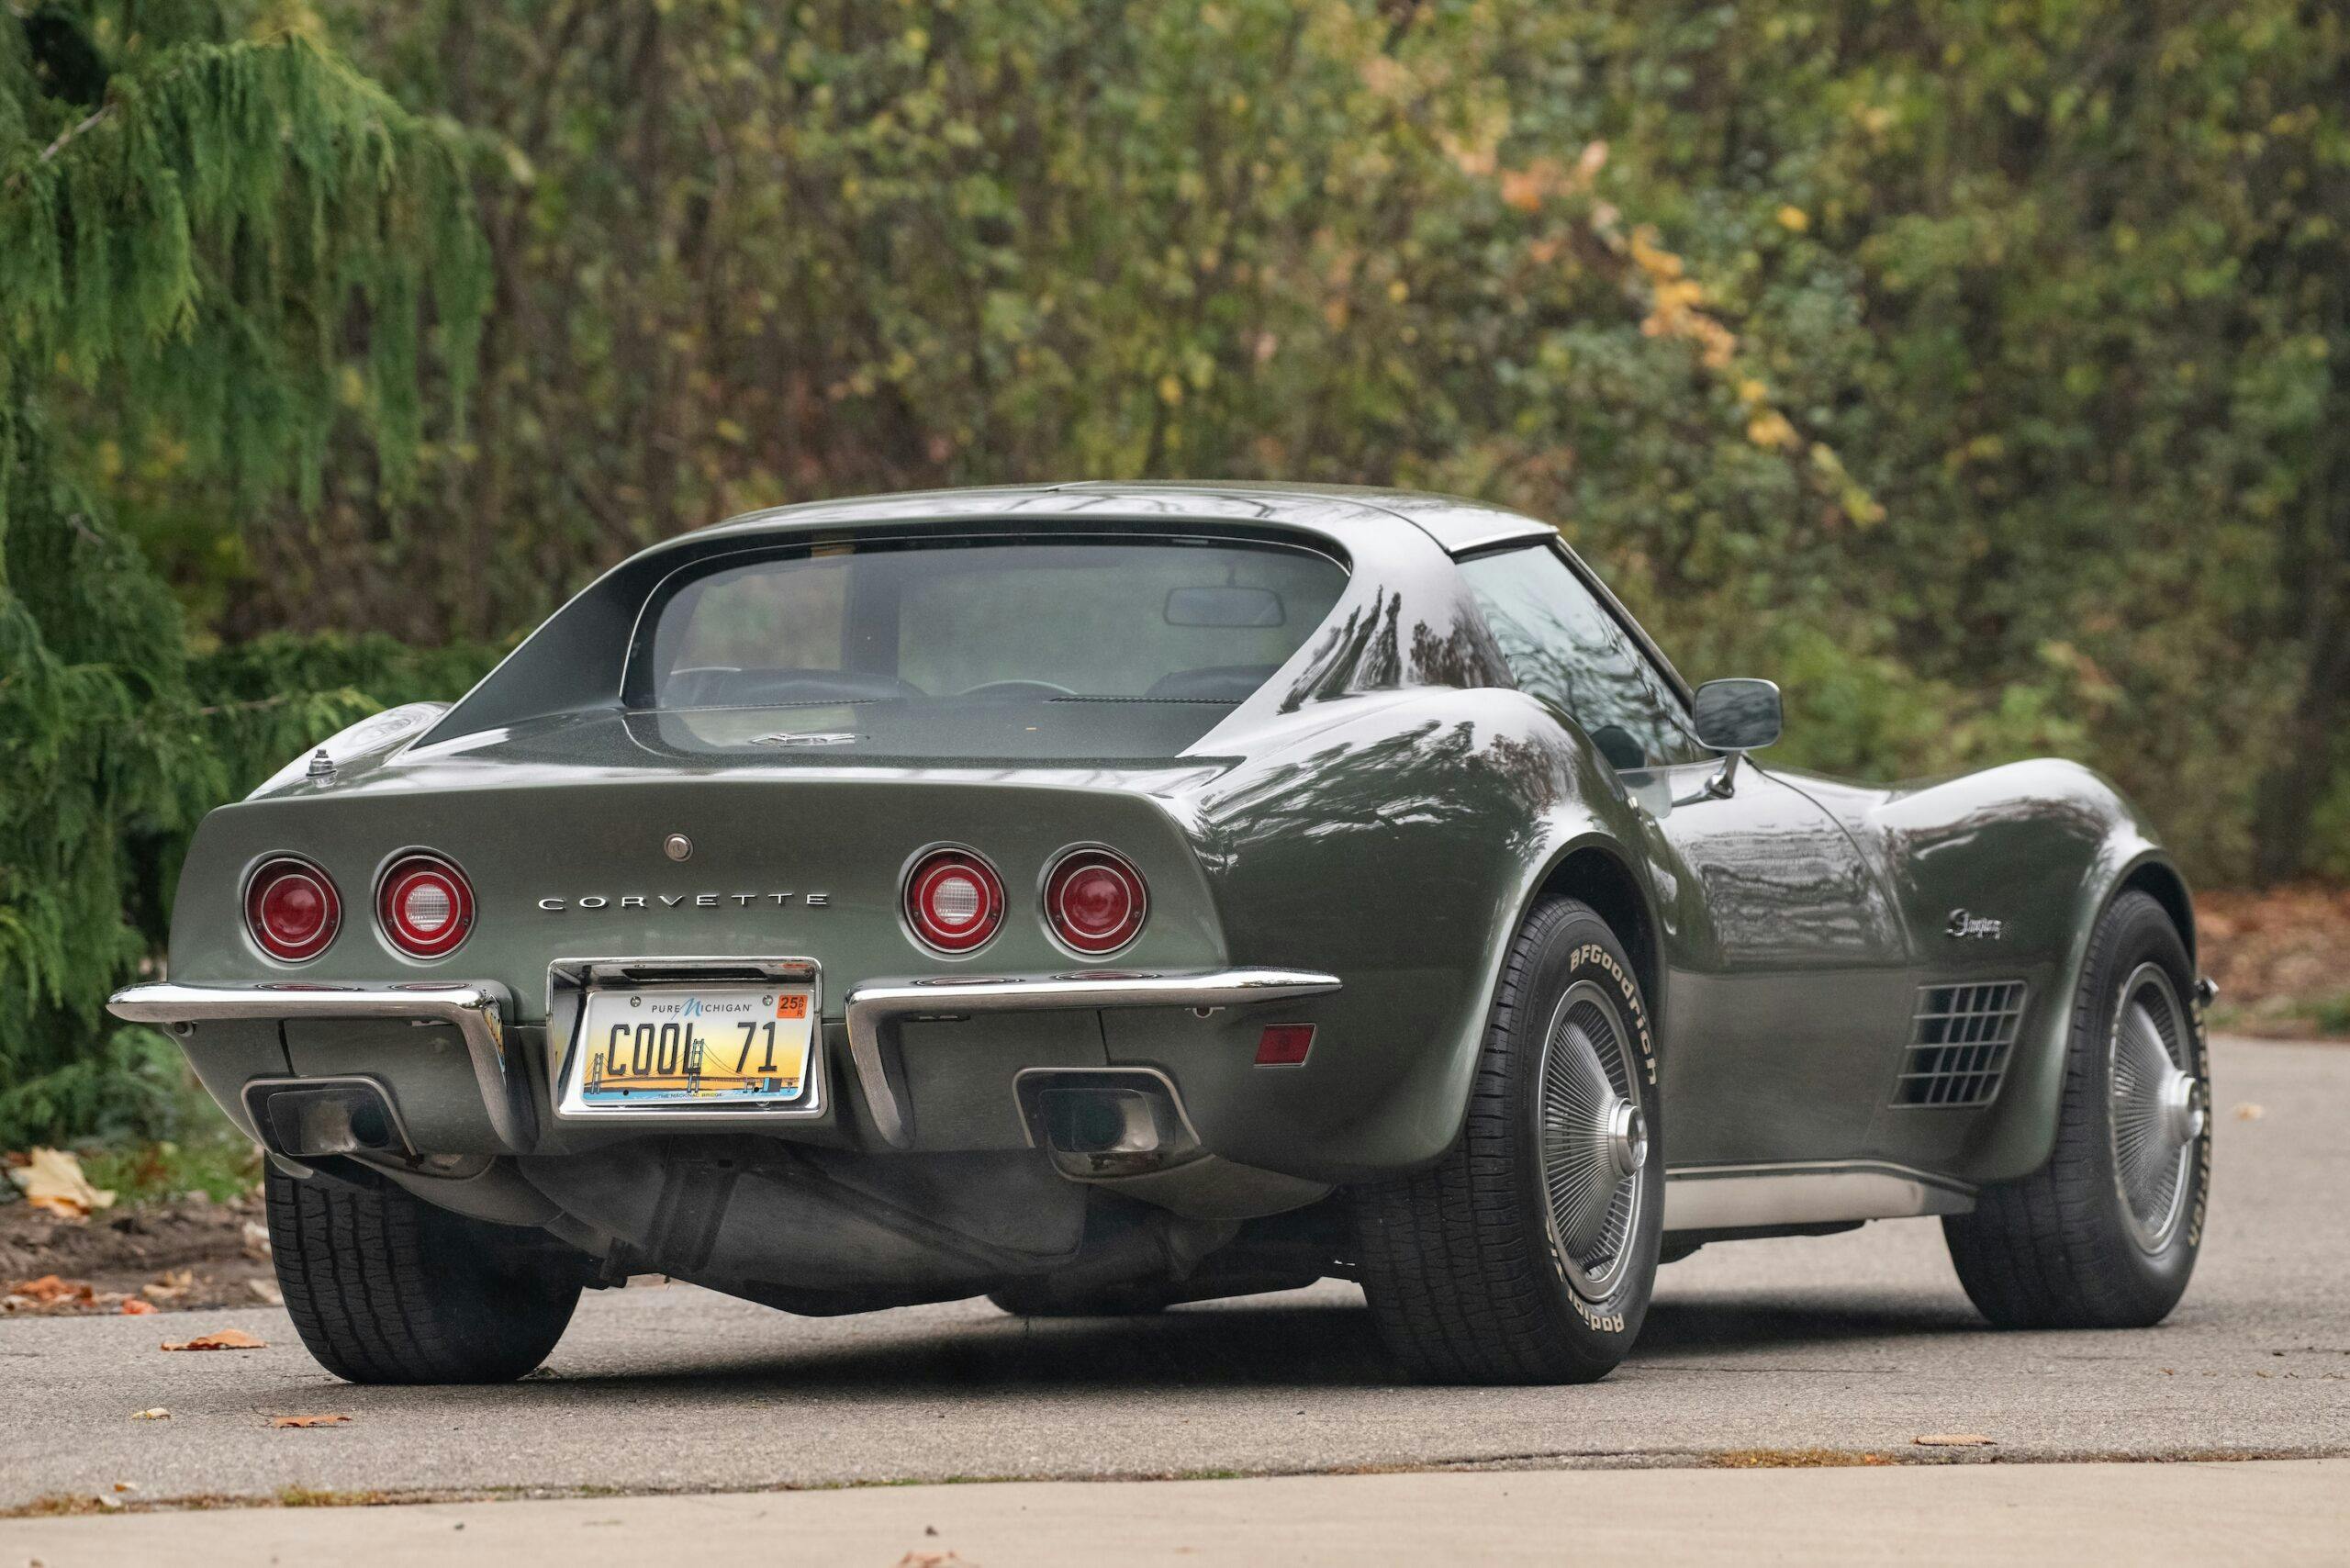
1592, 1137
2160, 1108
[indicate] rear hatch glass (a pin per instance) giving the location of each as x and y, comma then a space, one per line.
998, 647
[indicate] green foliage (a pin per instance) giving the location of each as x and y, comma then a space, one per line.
1969, 366
210, 238
200, 1152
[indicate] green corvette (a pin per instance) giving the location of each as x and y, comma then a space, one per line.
1104, 896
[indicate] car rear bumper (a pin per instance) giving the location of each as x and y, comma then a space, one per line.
478, 1010
875, 1009
482, 1015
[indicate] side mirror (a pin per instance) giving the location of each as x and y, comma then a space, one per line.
1736, 715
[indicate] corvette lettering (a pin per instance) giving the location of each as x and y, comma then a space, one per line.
684, 901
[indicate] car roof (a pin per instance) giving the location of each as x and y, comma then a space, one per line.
1457, 526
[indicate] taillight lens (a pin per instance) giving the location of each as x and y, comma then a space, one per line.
291, 909
1095, 901
954, 901
425, 905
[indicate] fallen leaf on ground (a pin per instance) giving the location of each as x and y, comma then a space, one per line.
157, 1414
169, 1285
133, 1307
2248, 1112
309, 1420
1954, 1440
52, 1179
51, 1291
219, 1339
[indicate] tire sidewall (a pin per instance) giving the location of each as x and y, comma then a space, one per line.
1573, 947
2141, 932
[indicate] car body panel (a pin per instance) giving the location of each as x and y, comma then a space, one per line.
1386, 809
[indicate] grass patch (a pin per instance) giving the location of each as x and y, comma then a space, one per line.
59, 1506
1795, 1458
322, 1497
2299, 1018
220, 1164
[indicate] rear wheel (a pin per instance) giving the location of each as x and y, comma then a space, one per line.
386, 1288
2105, 1235
1526, 1254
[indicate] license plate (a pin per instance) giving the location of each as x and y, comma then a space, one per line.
703, 1044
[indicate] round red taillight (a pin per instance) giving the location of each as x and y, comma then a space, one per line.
425, 905
1095, 901
291, 908
954, 901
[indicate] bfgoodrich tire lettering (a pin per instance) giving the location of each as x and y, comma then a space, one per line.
1528, 1252
2061, 1248
386, 1288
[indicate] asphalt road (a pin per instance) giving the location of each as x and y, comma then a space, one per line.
1855, 1342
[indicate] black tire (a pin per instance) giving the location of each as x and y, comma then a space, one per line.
1468, 1278
2063, 1248
386, 1288
1031, 1299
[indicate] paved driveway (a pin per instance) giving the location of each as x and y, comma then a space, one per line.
1854, 1342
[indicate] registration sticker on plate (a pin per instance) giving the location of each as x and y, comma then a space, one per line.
702, 1045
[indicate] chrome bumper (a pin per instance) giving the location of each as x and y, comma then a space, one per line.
875, 1009
476, 1009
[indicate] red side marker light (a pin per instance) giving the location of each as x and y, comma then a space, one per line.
1284, 1045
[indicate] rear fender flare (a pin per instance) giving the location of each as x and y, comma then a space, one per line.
2021, 1134
1450, 1068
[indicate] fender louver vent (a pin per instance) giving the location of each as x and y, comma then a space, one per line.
1959, 1046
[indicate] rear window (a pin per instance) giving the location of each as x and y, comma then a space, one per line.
995, 623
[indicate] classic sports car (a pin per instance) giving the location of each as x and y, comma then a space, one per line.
1104, 896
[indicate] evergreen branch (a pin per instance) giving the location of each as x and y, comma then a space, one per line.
64, 138
254, 705
91, 121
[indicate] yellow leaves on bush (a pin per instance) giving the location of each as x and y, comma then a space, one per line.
1677, 302
1524, 189
1388, 78
1793, 220
1528, 188
1770, 431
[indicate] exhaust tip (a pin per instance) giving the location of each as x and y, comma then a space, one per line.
310, 1118
1106, 1123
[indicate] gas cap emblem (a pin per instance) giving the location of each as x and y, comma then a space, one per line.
677, 846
